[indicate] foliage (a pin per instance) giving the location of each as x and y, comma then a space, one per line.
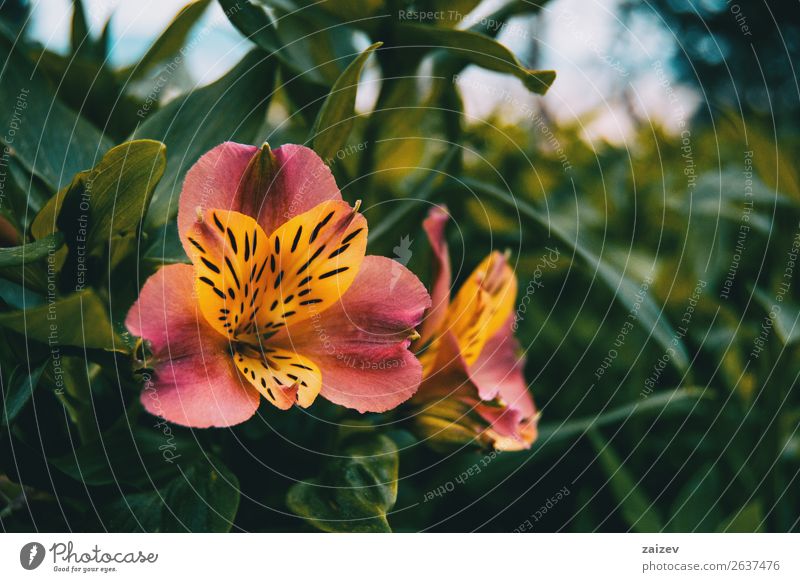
641, 234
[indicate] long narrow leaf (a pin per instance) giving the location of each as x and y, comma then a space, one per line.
336, 118
626, 291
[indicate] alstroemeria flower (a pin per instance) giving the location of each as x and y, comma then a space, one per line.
280, 300
473, 374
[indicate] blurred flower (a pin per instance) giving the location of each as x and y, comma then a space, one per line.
280, 301
473, 382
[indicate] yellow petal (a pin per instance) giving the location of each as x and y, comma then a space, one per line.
230, 256
281, 376
314, 258
483, 304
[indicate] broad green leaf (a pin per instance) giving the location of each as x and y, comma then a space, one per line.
105, 101
204, 498
355, 490
134, 513
748, 519
306, 40
231, 109
113, 198
456, 10
634, 505
80, 319
337, 116
628, 292
49, 140
30, 252
478, 49
18, 390
169, 43
131, 454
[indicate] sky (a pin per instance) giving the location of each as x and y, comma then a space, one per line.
605, 67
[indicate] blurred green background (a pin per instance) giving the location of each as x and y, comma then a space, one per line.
660, 168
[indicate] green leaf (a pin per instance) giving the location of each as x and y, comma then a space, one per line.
30, 252
306, 40
79, 31
133, 513
420, 192
113, 198
204, 499
131, 454
634, 505
696, 509
628, 292
104, 102
19, 389
337, 116
355, 490
50, 140
748, 519
80, 319
169, 43
662, 402
477, 49
785, 316
231, 109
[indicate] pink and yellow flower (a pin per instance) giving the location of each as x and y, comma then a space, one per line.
473, 384
280, 300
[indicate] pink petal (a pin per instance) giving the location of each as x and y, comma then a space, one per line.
361, 343
194, 382
298, 181
434, 226
498, 372
301, 181
212, 182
